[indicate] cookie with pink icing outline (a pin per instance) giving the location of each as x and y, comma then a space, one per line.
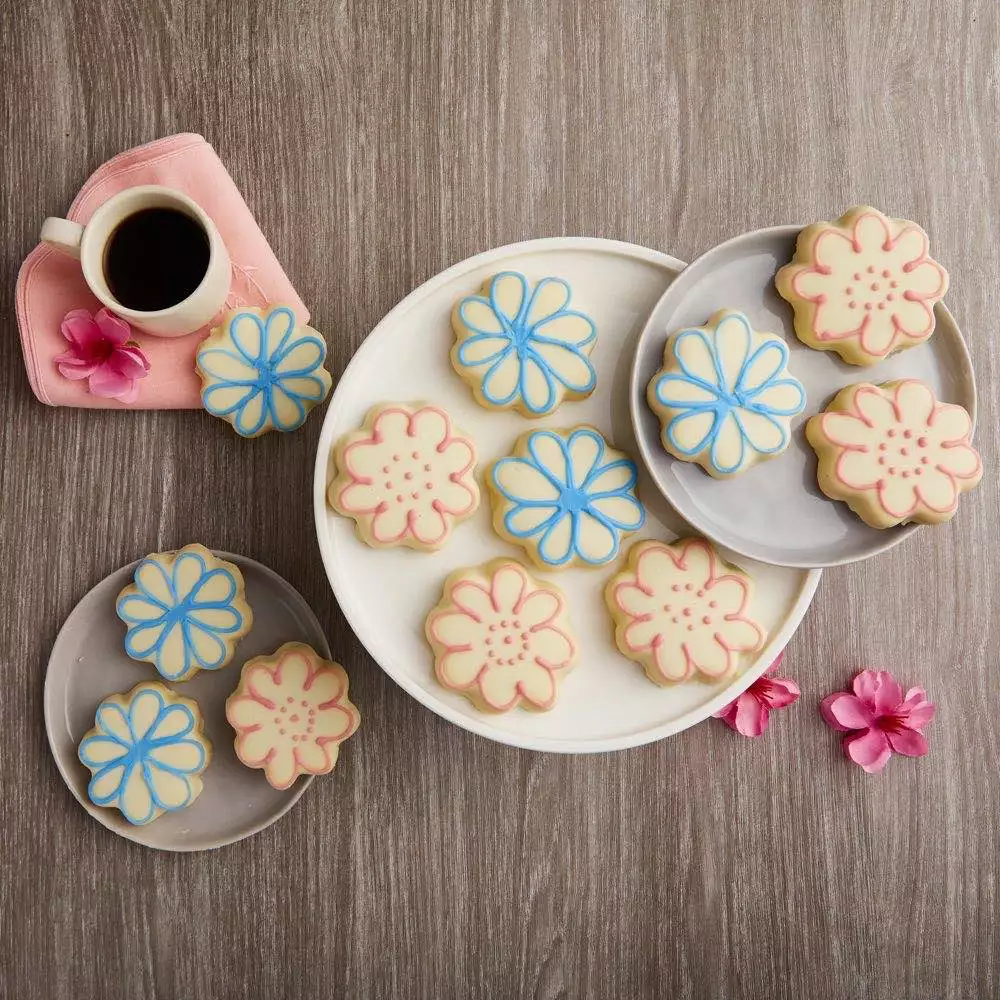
680, 611
291, 713
863, 286
501, 637
406, 478
894, 453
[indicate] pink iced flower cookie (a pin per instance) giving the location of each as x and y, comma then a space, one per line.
406, 478
291, 713
680, 611
500, 637
863, 286
893, 453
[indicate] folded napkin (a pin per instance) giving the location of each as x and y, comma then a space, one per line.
50, 284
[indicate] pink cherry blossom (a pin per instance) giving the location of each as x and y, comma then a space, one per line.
101, 352
881, 721
750, 712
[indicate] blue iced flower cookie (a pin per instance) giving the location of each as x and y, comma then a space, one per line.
146, 753
725, 397
262, 372
566, 497
523, 348
185, 611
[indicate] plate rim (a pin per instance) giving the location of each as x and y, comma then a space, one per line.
637, 402
104, 815
481, 726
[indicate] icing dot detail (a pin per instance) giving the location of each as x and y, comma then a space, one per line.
706, 620
713, 604
921, 442
852, 304
886, 273
407, 475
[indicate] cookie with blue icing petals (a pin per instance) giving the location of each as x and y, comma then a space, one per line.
566, 497
523, 348
146, 753
725, 397
261, 371
185, 611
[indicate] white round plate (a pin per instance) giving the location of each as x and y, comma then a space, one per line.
775, 511
606, 702
88, 662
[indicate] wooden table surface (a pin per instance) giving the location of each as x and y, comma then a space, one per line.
378, 143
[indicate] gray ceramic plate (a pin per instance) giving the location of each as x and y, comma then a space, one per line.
775, 512
88, 663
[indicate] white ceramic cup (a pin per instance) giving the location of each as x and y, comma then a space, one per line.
88, 243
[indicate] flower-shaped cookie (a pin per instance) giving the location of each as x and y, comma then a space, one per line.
291, 713
566, 497
679, 610
523, 350
185, 612
261, 372
724, 396
407, 477
863, 286
894, 453
500, 637
146, 753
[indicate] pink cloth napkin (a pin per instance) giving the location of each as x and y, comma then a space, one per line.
50, 283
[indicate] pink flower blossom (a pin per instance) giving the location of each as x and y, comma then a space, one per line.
101, 352
749, 713
880, 720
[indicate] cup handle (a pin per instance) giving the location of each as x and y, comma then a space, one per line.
62, 235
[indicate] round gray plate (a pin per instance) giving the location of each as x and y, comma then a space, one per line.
775, 511
88, 663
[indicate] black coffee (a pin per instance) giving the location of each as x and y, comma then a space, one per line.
155, 259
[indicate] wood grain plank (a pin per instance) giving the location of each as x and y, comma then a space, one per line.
377, 143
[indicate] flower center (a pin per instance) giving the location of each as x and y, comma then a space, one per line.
691, 612
296, 719
573, 500
903, 453
406, 475
872, 289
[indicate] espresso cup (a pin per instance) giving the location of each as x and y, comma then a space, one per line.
144, 247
